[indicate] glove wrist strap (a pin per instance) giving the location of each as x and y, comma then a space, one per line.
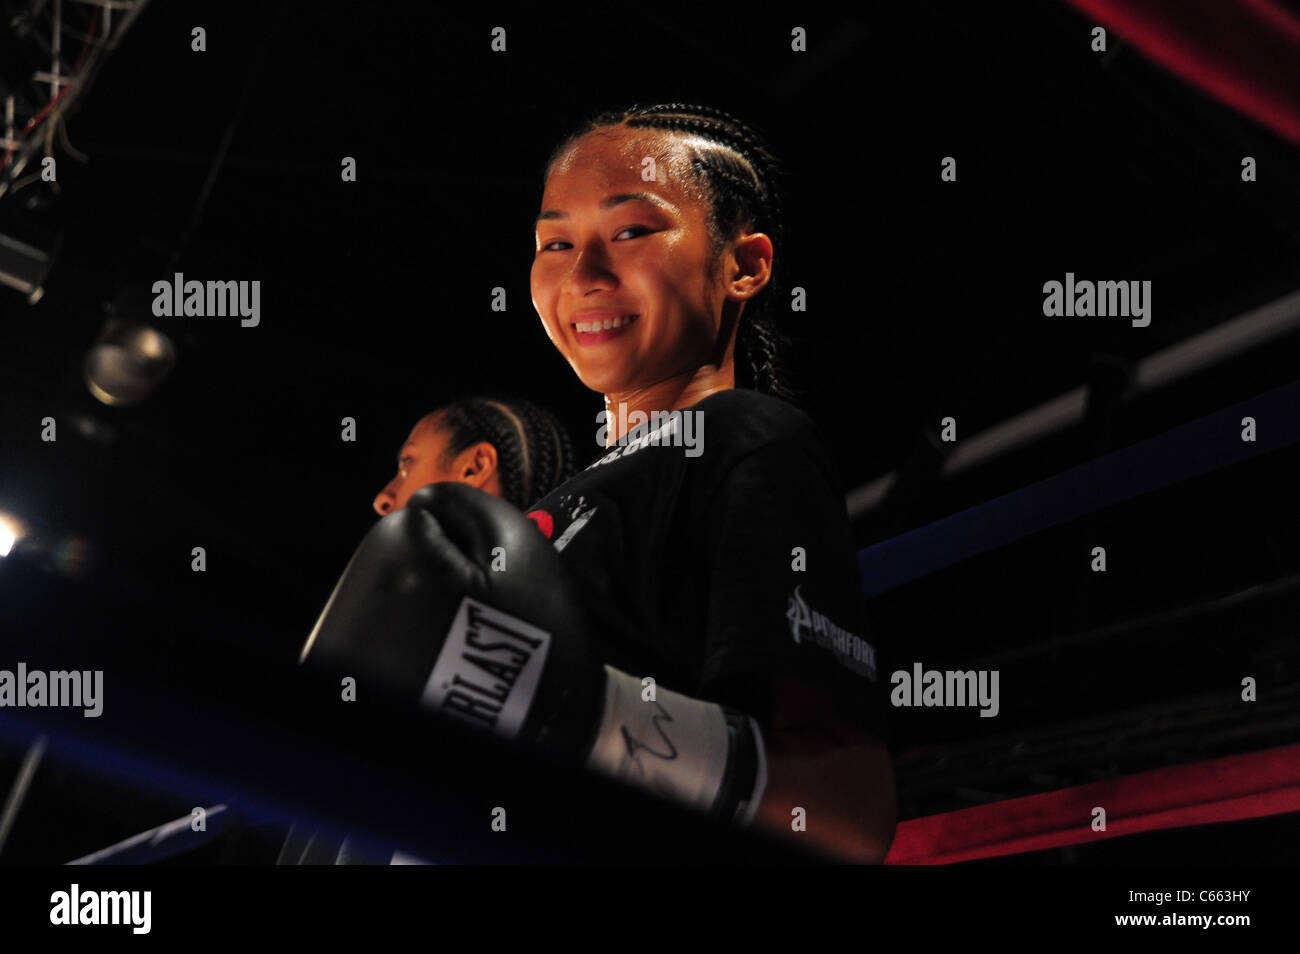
699, 753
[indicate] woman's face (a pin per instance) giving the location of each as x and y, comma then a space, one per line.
613, 249
419, 463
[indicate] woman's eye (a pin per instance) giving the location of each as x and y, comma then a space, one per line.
639, 229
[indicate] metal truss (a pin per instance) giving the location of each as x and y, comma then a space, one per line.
72, 40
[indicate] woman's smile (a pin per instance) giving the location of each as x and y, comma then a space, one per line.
593, 328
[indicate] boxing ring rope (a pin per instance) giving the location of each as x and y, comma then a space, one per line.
1248, 331
1233, 788
1191, 450
18, 792
166, 841
1242, 52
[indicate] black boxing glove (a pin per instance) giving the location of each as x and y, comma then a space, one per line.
457, 603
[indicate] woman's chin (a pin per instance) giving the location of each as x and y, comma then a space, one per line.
605, 380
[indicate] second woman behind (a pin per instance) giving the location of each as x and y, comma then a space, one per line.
507, 447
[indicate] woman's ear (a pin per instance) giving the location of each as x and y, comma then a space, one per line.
750, 266
476, 464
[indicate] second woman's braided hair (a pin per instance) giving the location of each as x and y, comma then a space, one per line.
740, 176
534, 453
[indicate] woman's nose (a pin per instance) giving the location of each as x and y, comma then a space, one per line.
385, 503
591, 270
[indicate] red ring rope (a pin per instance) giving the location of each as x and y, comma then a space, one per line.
1233, 788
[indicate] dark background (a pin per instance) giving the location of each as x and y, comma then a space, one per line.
925, 300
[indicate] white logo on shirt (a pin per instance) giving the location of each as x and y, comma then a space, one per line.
849, 649
572, 529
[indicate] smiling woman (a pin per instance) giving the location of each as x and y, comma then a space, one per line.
674, 240
717, 563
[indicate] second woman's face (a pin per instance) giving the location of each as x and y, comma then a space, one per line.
419, 463
621, 277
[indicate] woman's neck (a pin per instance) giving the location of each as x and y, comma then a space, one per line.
670, 394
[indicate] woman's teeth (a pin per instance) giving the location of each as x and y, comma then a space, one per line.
605, 324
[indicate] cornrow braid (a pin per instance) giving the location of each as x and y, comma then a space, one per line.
534, 452
740, 176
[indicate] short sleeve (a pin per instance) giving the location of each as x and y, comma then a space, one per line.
784, 595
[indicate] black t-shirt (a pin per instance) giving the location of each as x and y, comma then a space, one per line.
715, 546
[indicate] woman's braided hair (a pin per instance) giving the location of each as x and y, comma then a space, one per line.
534, 453
740, 177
